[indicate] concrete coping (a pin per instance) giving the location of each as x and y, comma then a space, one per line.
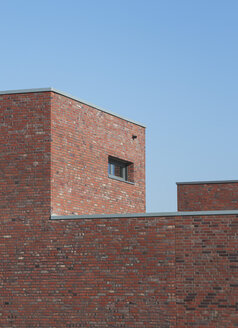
49, 89
208, 182
142, 215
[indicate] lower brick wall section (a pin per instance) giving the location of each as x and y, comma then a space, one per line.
130, 272
207, 271
88, 273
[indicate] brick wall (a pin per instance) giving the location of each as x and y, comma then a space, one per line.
127, 272
54, 157
177, 271
25, 155
208, 196
88, 273
207, 271
82, 140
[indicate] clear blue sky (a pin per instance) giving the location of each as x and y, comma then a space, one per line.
171, 64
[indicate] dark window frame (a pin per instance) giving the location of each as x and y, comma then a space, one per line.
118, 169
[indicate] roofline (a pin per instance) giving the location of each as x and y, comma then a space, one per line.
207, 182
142, 215
68, 96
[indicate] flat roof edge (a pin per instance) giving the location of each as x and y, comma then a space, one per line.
208, 182
143, 215
71, 97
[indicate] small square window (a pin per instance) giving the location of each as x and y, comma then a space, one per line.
120, 169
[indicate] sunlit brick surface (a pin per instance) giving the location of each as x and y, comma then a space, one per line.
82, 139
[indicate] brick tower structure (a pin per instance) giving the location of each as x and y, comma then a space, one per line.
60, 155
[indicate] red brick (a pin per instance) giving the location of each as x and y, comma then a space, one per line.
208, 196
165, 271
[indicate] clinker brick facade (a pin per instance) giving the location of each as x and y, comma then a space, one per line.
207, 195
83, 138
54, 155
77, 249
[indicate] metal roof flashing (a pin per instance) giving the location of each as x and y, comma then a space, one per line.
143, 215
68, 96
207, 182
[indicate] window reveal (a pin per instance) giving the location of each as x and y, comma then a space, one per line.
120, 169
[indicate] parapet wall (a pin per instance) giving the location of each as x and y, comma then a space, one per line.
207, 195
147, 271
